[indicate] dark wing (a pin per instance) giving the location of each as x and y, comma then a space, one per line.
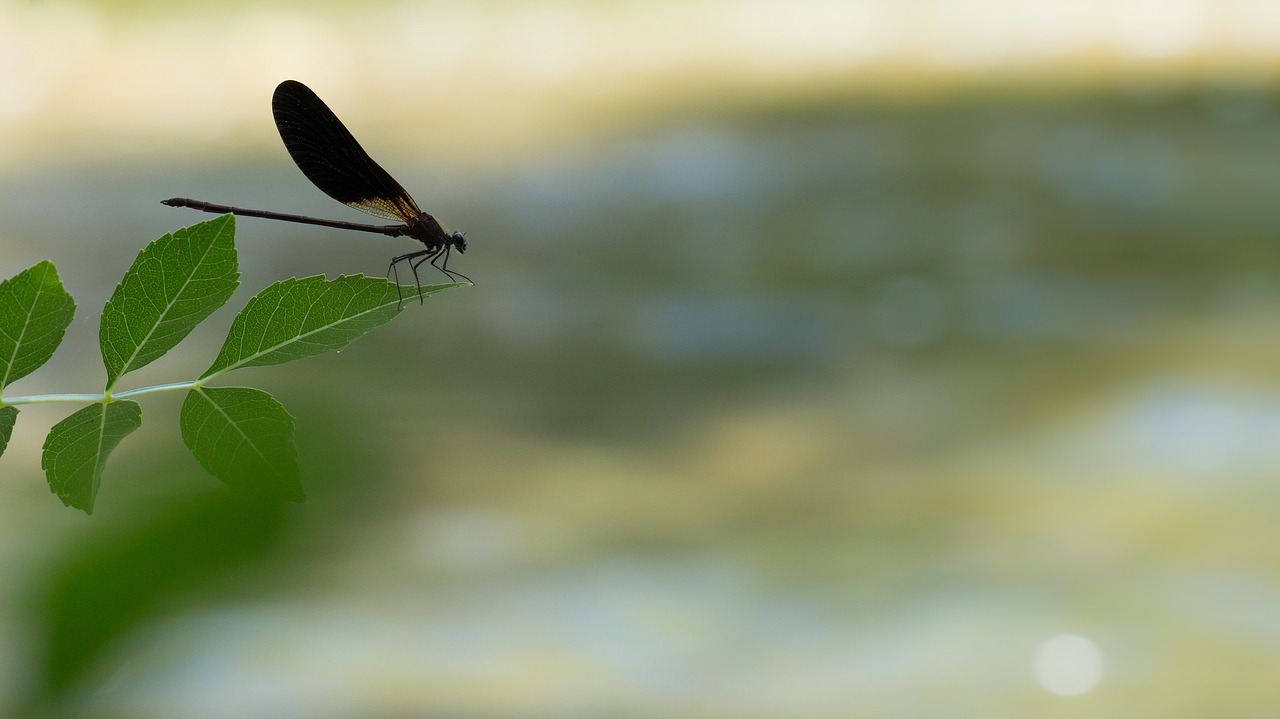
331, 158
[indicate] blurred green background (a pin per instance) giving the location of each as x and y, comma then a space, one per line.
827, 358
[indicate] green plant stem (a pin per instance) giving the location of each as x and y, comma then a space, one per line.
101, 397
190, 384
36, 398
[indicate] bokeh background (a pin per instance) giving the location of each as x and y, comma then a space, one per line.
827, 358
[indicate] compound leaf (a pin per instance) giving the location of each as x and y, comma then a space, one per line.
244, 437
8, 417
34, 314
77, 449
173, 285
298, 318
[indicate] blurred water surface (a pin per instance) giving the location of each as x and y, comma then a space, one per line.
765, 404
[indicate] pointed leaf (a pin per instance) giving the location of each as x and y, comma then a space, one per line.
174, 283
8, 417
244, 437
77, 449
34, 314
298, 318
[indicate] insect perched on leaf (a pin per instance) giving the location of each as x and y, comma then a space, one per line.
330, 157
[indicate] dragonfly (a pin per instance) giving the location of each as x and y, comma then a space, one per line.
329, 156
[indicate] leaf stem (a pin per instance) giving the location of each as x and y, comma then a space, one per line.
35, 398
189, 384
100, 397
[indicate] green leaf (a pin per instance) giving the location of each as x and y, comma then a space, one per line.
77, 449
34, 314
8, 417
244, 437
173, 285
298, 318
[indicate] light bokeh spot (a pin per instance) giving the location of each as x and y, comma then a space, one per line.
1068, 664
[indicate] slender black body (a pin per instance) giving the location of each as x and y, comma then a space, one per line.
330, 157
